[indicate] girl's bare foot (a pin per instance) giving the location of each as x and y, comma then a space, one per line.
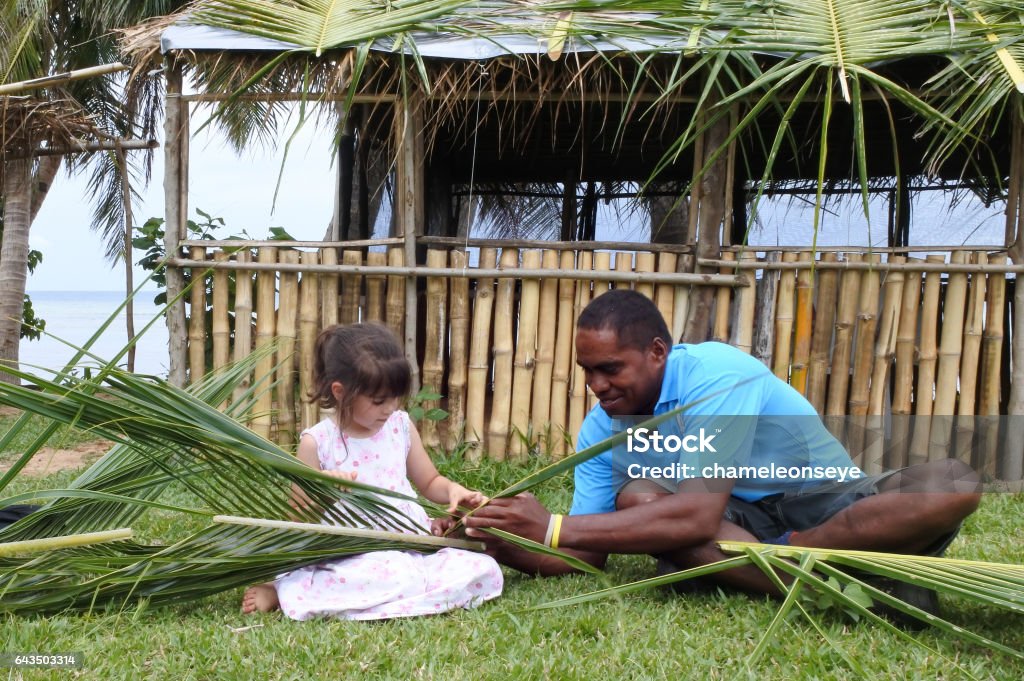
260, 598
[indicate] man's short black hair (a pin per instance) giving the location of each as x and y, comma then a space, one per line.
633, 317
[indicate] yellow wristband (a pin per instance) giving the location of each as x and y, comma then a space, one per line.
555, 530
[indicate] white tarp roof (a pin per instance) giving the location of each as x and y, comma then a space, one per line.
444, 46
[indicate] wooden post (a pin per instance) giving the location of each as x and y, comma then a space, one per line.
458, 356
623, 263
497, 442
434, 342
804, 321
1012, 465
266, 289
525, 354
885, 346
603, 263
821, 339
309, 322
243, 317
197, 319
540, 412
221, 321
175, 189
681, 300
287, 316
563, 355
479, 368
410, 206
764, 317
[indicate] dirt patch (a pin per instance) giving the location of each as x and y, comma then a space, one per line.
48, 460
9, 411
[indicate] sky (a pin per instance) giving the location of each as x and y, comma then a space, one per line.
239, 189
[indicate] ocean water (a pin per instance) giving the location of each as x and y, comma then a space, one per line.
73, 316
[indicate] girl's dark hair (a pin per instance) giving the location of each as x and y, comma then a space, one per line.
366, 359
631, 315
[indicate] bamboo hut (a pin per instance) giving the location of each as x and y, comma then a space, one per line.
484, 130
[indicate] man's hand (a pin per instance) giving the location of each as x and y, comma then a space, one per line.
522, 515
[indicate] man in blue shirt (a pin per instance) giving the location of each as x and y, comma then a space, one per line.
749, 460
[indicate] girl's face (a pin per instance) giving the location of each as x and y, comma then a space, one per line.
368, 413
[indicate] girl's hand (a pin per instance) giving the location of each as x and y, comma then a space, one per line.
460, 496
440, 526
342, 475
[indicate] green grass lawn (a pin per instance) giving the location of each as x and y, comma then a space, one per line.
653, 634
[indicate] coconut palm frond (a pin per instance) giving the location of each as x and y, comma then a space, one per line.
848, 580
212, 560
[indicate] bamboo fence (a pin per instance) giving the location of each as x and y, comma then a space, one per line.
862, 335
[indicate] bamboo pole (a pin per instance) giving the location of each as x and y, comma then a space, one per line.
784, 319
197, 320
243, 319
839, 382
395, 312
991, 373
804, 325
287, 316
578, 386
434, 341
458, 354
867, 325
544, 363
664, 294
563, 357
375, 286
924, 395
309, 322
903, 385
525, 356
743, 328
329, 286
645, 262
221, 320
479, 368
497, 441
764, 316
602, 263
821, 338
623, 263
681, 300
266, 288
723, 298
969, 361
351, 288
885, 346
950, 347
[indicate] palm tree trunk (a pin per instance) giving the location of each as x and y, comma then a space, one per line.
46, 172
14, 259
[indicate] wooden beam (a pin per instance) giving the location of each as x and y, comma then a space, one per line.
174, 213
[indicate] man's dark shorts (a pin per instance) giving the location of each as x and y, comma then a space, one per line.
774, 515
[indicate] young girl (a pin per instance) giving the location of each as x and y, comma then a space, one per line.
361, 372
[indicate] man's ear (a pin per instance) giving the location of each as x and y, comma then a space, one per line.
659, 350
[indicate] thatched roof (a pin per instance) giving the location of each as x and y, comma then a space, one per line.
934, 85
29, 124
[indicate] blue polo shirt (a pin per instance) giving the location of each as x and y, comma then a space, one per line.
753, 423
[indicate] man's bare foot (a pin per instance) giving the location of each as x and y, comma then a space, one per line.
260, 598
